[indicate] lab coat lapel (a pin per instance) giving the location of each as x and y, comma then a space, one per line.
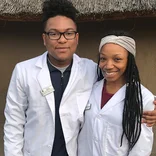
73, 77
116, 99
44, 80
98, 93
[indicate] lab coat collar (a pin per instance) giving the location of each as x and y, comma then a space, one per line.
116, 98
42, 61
45, 81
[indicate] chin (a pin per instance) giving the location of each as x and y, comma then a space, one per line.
110, 80
63, 58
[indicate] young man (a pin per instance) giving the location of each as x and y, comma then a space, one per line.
47, 95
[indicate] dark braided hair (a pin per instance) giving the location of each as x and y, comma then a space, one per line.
133, 105
52, 8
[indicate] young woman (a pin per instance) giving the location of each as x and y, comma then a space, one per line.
113, 114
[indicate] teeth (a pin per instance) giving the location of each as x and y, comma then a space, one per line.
109, 73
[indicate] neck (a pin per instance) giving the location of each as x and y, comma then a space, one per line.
59, 63
113, 87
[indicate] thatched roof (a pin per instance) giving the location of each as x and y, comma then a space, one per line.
90, 10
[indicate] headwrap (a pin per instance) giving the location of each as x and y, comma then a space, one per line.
126, 42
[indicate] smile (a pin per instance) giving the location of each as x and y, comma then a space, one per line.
110, 74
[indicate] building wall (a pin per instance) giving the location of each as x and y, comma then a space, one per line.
22, 40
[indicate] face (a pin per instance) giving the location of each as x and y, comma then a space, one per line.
60, 51
113, 62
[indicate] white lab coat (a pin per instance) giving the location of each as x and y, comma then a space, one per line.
102, 129
30, 116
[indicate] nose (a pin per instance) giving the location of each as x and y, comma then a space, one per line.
108, 65
62, 39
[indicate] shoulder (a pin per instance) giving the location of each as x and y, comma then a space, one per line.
148, 98
87, 68
85, 61
30, 62
86, 64
146, 93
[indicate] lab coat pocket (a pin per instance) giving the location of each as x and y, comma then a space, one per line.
112, 141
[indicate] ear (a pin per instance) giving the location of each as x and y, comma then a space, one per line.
77, 38
44, 39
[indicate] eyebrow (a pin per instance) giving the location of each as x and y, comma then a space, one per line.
61, 31
113, 55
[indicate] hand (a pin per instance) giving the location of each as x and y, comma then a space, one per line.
149, 117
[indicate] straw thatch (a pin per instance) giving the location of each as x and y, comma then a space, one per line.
30, 10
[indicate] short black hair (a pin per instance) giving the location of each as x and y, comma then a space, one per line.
119, 32
52, 8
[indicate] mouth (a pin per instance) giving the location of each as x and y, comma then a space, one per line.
62, 49
110, 73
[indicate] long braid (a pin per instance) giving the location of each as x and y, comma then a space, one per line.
133, 106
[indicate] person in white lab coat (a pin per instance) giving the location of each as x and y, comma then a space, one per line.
112, 125
47, 95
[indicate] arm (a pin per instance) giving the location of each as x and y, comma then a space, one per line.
143, 147
149, 117
16, 104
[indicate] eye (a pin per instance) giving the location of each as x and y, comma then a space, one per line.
117, 59
102, 59
53, 34
69, 33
